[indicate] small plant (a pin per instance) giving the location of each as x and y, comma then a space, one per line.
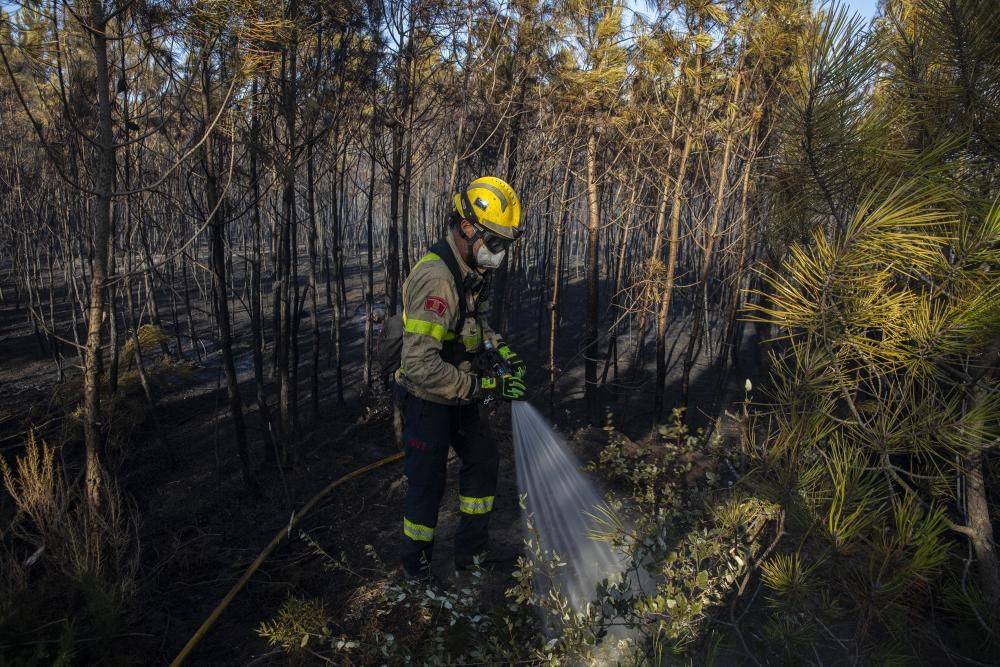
690, 541
125, 410
149, 335
389, 621
784, 575
297, 622
595, 634
60, 562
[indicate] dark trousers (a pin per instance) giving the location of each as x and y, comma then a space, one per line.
429, 429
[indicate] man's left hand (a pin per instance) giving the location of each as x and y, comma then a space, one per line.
517, 365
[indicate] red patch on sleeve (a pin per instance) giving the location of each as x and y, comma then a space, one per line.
435, 304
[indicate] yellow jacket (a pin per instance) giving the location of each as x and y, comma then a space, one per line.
436, 361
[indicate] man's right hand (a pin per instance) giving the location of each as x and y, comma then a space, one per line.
509, 387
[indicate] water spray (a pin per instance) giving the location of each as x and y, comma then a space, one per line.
563, 503
561, 500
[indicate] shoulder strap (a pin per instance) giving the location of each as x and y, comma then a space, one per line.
443, 250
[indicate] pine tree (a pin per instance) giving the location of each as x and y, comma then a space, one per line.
885, 399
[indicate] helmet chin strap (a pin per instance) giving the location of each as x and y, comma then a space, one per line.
470, 256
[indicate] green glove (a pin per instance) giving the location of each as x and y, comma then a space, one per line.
509, 387
515, 362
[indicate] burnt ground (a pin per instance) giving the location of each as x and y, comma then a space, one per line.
200, 528
209, 547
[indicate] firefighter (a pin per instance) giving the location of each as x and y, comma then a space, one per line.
445, 333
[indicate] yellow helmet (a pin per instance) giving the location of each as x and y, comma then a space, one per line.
492, 205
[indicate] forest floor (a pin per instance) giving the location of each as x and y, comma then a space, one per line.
200, 528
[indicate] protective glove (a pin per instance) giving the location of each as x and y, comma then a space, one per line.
509, 387
517, 365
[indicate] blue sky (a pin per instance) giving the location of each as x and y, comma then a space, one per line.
866, 7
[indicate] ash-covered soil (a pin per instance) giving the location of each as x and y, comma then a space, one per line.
200, 529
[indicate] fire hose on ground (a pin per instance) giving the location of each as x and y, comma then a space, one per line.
499, 368
282, 534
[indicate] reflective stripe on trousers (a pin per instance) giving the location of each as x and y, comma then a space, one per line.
415, 531
475, 505
430, 430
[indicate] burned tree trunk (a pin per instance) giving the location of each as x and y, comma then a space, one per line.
592, 390
286, 305
313, 235
701, 302
559, 233
220, 301
104, 177
663, 312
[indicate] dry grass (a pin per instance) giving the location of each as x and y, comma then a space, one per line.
60, 560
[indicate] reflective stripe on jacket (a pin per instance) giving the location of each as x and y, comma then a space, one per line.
431, 368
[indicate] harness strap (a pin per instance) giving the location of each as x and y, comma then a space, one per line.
443, 250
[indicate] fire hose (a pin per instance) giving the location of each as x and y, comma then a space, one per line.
284, 532
496, 365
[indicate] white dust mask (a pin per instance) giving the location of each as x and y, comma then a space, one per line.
487, 259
